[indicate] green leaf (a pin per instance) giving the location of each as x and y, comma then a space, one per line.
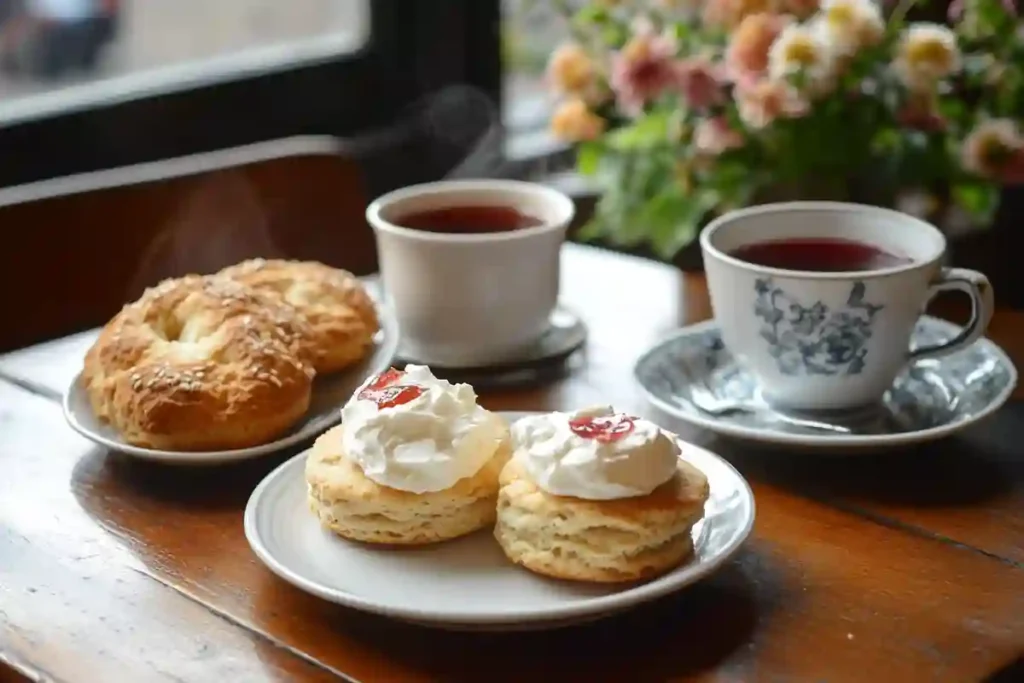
978, 199
645, 133
590, 15
588, 158
592, 229
614, 35
675, 219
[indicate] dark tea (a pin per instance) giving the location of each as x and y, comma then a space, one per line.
818, 254
469, 219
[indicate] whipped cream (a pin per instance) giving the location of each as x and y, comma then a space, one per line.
596, 454
414, 432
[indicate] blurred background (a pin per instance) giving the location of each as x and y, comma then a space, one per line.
403, 91
100, 77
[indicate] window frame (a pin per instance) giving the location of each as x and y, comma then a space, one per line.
413, 48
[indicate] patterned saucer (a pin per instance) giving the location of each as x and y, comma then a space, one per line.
692, 376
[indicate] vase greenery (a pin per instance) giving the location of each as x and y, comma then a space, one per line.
684, 109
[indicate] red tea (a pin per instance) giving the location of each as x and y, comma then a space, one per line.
818, 254
469, 219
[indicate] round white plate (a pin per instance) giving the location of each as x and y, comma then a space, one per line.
692, 369
330, 392
468, 583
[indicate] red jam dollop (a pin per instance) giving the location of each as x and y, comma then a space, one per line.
603, 428
386, 394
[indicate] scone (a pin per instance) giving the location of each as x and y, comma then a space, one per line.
415, 461
200, 363
333, 303
597, 496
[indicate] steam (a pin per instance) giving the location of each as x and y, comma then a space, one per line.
467, 121
220, 222
457, 133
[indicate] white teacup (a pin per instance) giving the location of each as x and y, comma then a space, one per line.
819, 340
470, 297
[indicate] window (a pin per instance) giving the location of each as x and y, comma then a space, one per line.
59, 55
170, 79
531, 30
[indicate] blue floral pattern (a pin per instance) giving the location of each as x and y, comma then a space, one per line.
927, 394
813, 340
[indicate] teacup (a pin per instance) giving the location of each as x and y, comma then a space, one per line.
471, 267
818, 300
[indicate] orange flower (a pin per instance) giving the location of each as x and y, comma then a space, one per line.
570, 69
747, 54
729, 13
573, 121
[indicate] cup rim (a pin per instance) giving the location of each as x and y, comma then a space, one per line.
708, 233
564, 210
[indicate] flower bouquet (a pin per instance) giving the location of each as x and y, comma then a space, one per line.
684, 109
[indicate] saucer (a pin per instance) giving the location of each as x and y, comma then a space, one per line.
330, 393
693, 377
468, 583
546, 357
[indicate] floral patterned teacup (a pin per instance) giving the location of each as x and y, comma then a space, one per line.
818, 338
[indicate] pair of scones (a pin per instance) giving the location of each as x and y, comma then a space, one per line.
227, 360
632, 527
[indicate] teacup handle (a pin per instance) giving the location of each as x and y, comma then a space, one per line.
973, 284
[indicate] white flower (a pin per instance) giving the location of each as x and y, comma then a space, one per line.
847, 26
993, 146
926, 54
800, 56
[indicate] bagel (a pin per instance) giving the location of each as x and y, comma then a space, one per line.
333, 303
201, 363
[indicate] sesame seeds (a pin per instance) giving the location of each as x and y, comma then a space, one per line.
223, 332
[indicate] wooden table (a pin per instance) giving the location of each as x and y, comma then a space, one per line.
903, 567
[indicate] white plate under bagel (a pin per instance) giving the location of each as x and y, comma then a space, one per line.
330, 392
468, 583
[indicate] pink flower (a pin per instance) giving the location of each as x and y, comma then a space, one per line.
700, 82
714, 136
643, 69
762, 102
746, 57
995, 149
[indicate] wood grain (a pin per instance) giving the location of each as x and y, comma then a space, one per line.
83, 254
99, 539
969, 489
905, 567
78, 603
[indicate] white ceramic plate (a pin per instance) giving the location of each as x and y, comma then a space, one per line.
468, 583
330, 392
